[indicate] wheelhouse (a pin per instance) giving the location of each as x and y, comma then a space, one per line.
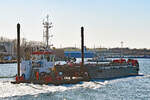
41, 55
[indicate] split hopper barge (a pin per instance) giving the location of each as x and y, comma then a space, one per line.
43, 70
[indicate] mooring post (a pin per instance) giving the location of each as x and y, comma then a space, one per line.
18, 48
82, 46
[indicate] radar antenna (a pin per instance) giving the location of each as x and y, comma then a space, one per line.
46, 34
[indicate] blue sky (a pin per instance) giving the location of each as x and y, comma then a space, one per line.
106, 22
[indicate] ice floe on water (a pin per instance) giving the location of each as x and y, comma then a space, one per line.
9, 90
128, 88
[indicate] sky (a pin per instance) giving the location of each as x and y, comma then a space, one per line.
106, 22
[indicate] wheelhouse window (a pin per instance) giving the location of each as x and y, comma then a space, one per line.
43, 55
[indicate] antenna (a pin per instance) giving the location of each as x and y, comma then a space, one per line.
46, 35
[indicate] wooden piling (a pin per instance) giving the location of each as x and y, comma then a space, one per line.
18, 48
82, 46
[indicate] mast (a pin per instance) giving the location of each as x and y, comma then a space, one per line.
18, 48
46, 34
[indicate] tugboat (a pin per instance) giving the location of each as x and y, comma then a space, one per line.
43, 70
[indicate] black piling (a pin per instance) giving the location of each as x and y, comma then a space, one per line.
18, 48
82, 46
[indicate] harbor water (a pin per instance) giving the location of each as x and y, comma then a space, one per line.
127, 88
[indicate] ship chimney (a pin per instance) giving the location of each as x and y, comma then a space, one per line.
82, 46
18, 48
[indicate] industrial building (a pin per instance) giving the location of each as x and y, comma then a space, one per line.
6, 48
